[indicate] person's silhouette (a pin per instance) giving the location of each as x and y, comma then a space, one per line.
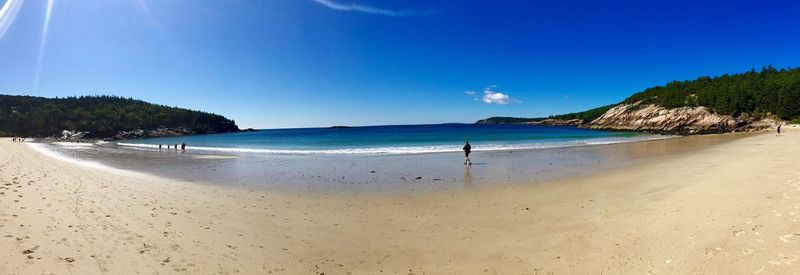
467, 149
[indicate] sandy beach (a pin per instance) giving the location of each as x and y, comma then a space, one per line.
732, 208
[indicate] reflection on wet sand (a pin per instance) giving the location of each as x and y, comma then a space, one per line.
467, 176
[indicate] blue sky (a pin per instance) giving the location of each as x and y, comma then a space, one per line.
297, 63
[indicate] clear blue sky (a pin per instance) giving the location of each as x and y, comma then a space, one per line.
297, 63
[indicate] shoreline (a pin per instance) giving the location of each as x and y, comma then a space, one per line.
391, 174
361, 151
693, 212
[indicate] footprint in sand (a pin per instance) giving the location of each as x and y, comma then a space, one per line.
788, 238
784, 260
710, 252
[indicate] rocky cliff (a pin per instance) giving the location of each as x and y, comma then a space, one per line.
682, 121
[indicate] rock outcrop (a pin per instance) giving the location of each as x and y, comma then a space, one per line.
681, 121
73, 135
159, 132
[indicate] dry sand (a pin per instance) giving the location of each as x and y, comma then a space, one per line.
728, 208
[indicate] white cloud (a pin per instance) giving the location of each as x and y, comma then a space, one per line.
491, 97
368, 9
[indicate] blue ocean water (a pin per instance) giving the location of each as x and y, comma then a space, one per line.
398, 139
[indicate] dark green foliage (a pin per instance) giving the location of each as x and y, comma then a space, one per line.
770, 91
505, 120
102, 116
587, 115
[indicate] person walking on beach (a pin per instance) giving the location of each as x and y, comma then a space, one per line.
159, 146
176, 147
183, 146
467, 149
779, 129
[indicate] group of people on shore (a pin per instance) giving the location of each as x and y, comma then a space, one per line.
183, 147
18, 139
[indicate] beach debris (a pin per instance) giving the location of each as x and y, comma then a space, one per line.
711, 252
418, 178
372, 172
788, 237
69, 260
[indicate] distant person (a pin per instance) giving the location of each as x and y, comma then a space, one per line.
467, 149
779, 129
183, 146
159, 147
176, 147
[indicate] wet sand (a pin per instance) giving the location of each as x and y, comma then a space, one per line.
389, 174
728, 208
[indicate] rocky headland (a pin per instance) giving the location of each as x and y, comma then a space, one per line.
652, 118
682, 121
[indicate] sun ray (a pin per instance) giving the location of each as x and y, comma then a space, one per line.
145, 7
155, 24
47, 15
7, 15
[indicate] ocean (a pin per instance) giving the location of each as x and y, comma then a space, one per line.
407, 158
400, 139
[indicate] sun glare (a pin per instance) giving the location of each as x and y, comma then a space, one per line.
7, 15
47, 15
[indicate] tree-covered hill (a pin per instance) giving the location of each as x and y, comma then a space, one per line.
770, 91
102, 116
587, 115
767, 93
